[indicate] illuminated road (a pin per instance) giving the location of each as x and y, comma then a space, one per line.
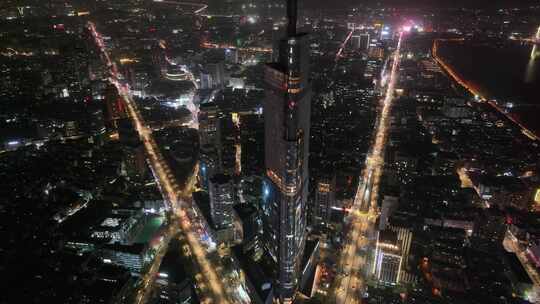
343, 45
352, 264
209, 45
339, 52
511, 244
147, 278
200, 7
179, 198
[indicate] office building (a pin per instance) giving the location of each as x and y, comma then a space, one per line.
388, 258
404, 236
71, 128
231, 55
325, 197
217, 74
208, 165
209, 124
355, 41
134, 161
252, 144
127, 133
388, 206
221, 191
489, 230
114, 107
360, 41
209, 138
363, 44
173, 283
132, 257
251, 227
229, 161
94, 121
287, 109
206, 80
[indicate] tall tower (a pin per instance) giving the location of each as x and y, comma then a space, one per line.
287, 110
324, 201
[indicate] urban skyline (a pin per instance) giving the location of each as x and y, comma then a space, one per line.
270, 151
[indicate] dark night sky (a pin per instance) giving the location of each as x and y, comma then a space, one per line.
416, 3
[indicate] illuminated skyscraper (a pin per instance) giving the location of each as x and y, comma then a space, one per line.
209, 137
115, 108
287, 110
221, 191
324, 201
363, 43
388, 258
209, 124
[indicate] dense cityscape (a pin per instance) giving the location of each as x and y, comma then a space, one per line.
269, 151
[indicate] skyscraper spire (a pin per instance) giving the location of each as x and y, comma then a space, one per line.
292, 14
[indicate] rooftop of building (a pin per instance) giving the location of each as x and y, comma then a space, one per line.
138, 249
220, 178
172, 264
261, 281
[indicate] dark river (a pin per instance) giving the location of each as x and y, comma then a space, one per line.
507, 74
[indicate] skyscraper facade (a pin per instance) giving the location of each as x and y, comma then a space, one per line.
221, 191
388, 258
287, 110
324, 200
209, 138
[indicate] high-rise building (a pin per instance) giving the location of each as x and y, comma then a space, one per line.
134, 160
206, 80
134, 157
489, 230
287, 110
325, 197
209, 124
114, 107
228, 140
355, 41
231, 55
71, 128
173, 284
251, 227
389, 204
388, 258
127, 133
364, 42
94, 123
217, 72
278, 32
252, 144
360, 41
208, 165
221, 191
209, 138
159, 59
404, 236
